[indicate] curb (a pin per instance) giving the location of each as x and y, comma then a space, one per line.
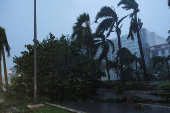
65, 108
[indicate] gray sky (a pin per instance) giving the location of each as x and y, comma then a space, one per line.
58, 17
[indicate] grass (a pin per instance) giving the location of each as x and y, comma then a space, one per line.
22, 106
163, 84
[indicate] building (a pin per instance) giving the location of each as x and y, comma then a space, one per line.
148, 39
160, 50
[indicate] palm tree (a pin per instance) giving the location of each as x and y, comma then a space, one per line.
136, 59
82, 34
135, 27
159, 59
168, 39
4, 43
110, 22
105, 44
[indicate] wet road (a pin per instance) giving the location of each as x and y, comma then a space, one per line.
100, 107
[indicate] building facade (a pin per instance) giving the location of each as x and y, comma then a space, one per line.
148, 39
160, 50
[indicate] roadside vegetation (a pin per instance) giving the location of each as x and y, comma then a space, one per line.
68, 69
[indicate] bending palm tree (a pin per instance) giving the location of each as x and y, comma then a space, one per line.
135, 27
3, 43
83, 34
105, 44
159, 59
111, 21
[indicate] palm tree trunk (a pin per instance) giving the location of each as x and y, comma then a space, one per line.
142, 56
120, 53
137, 72
107, 68
5, 70
1, 88
168, 70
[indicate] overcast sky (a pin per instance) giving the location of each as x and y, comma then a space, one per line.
58, 17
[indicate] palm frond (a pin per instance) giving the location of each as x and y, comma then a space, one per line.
122, 19
128, 4
4, 41
6, 45
110, 29
112, 44
78, 26
96, 47
131, 31
82, 19
106, 12
104, 52
105, 25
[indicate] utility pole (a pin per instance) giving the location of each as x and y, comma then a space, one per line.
35, 55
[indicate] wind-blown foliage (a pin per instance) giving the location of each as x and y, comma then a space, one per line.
109, 23
135, 27
105, 45
128, 58
162, 59
82, 34
3, 45
64, 73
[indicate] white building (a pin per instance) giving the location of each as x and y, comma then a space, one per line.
160, 50
147, 38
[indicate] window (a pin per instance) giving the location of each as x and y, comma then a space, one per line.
133, 49
163, 52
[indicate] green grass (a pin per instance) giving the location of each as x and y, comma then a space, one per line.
22, 106
164, 84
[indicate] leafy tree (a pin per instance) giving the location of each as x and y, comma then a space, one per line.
3, 44
135, 26
64, 73
161, 59
110, 22
82, 34
169, 3
128, 59
105, 44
